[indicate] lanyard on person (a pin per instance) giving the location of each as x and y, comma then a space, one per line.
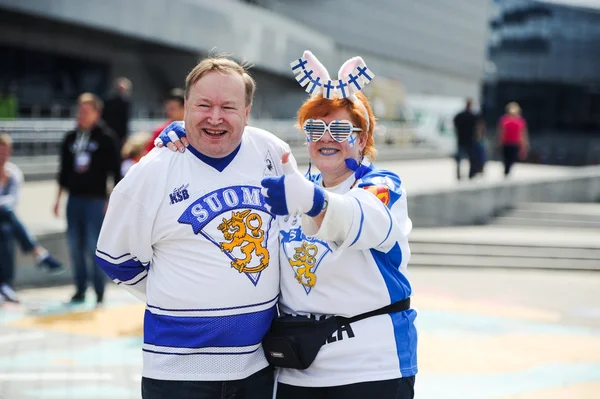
81, 142
82, 156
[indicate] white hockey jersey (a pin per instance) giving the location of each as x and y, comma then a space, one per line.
200, 247
354, 263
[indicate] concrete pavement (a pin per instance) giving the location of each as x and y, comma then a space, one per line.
483, 334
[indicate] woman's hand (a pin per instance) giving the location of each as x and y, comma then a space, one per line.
292, 192
173, 136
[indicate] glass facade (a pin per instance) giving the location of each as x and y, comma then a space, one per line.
41, 80
546, 57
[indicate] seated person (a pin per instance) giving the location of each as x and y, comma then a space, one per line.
11, 227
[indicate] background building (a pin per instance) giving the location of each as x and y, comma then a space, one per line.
546, 56
52, 50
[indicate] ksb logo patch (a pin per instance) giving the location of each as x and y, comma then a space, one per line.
179, 194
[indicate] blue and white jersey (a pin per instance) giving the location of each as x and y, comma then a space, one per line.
354, 263
200, 247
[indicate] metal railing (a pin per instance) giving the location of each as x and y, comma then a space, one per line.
42, 137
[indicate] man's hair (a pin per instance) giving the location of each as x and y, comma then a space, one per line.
176, 94
5, 139
90, 98
320, 106
222, 63
122, 82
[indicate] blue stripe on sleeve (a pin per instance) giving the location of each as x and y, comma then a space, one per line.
391, 225
362, 219
123, 271
201, 332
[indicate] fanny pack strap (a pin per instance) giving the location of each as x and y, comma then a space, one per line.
399, 306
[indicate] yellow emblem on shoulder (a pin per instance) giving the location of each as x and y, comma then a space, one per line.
244, 230
304, 260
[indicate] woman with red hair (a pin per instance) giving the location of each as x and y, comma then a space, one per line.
344, 250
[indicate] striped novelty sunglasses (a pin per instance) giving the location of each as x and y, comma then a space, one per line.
340, 130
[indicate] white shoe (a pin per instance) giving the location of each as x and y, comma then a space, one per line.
8, 293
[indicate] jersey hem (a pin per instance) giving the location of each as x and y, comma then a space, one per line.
311, 382
205, 377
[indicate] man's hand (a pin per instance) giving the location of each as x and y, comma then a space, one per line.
292, 192
173, 136
56, 208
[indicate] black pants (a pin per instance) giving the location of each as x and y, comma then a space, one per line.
7, 253
510, 154
466, 151
258, 386
400, 388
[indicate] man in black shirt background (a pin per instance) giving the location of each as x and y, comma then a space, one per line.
465, 125
117, 109
89, 154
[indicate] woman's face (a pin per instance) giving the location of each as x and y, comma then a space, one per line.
328, 155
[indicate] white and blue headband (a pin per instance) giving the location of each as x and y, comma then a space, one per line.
353, 76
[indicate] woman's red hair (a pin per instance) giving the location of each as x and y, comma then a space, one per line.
318, 106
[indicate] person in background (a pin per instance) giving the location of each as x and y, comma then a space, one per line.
133, 150
89, 156
513, 138
174, 110
465, 123
117, 109
9, 103
12, 229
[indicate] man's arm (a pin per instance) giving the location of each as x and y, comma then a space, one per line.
114, 157
66, 163
124, 248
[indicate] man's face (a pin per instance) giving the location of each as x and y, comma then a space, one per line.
5, 151
87, 116
174, 110
216, 114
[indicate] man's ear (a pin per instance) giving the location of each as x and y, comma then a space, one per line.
247, 112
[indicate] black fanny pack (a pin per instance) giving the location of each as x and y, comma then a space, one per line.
294, 341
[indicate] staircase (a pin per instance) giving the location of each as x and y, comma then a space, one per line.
556, 215
532, 236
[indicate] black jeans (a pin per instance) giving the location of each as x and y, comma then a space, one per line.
84, 221
510, 154
7, 253
258, 386
400, 388
25, 240
466, 151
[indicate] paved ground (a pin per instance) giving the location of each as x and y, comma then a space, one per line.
484, 334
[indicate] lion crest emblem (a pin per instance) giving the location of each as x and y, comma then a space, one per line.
243, 231
303, 260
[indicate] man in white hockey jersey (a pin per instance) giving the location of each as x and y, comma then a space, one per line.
190, 234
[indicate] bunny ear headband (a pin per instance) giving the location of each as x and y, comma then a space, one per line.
353, 76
